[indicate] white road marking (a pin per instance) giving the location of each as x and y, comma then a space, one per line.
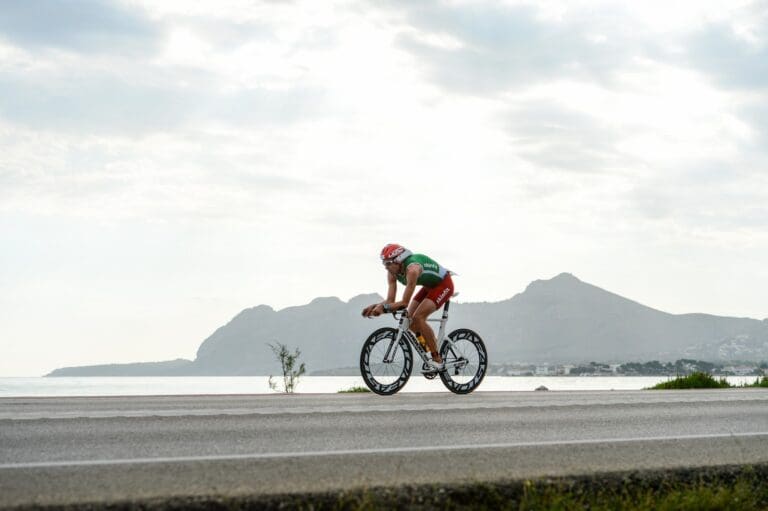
392, 450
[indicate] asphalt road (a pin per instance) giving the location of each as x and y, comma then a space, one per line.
67, 450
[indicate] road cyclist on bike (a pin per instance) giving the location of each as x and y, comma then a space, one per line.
413, 270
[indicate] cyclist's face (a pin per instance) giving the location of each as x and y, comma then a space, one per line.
392, 267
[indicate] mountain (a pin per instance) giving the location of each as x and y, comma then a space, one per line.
165, 368
558, 320
328, 331
565, 319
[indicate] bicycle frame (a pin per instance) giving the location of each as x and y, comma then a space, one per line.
403, 330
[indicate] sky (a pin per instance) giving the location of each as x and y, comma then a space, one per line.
165, 165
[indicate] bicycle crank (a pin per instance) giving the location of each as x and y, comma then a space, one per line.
430, 375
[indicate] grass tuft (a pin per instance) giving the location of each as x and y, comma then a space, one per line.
354, 390
743, 490
727, 487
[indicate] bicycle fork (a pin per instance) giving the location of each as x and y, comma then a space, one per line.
402, 330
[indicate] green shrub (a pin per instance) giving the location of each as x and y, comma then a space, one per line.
693, 381
353, 390
288, 362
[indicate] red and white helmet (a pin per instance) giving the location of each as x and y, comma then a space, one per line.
394, 253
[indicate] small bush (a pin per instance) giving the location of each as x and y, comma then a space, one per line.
354, 390
693, 381
287, 363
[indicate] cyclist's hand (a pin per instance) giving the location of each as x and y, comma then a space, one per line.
373, 310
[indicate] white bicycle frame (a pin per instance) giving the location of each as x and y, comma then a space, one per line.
403, 329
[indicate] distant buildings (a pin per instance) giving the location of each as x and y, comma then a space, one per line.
651, 368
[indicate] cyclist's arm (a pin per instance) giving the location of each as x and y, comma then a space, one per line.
392, 289
411, 276
378, 308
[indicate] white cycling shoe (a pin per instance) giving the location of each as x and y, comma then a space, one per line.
435, 366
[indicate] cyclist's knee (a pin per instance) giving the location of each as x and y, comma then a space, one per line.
419, 320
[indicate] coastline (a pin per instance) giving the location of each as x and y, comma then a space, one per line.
237, 385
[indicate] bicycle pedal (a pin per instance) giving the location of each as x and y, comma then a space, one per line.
430, 376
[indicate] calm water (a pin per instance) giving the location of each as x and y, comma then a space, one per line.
154, 386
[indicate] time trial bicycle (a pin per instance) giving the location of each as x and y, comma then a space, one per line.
386, 360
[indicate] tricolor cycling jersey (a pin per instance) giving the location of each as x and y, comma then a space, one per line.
431, 275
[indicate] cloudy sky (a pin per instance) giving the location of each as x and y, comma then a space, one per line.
164, 165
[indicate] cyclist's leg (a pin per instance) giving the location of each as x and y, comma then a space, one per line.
419, 323
435, 298
415, 301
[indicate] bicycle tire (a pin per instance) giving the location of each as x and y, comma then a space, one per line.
467, 344
383, 378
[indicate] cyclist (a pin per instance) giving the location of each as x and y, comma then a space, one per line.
413, 270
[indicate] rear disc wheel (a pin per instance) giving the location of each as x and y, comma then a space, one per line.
466, 361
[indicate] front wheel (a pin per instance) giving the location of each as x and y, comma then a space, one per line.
385, 364
465, 361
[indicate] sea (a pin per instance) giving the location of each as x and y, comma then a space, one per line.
207, 385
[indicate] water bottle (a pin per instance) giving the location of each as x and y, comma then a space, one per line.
421, 340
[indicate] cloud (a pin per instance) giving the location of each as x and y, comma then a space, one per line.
86, 26
96, 104
126, 73
756, 115
717, 198
557, 137
732, 61
108, 103
493, 48
166, 177
499, 48
225, 35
